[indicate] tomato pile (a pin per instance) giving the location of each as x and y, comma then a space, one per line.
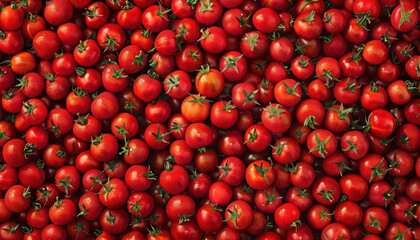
210, 119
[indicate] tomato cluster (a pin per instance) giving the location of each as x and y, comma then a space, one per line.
210, 119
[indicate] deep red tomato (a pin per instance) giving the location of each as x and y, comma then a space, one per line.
326, 191
287, 215
381, 123
259, 175
238, 215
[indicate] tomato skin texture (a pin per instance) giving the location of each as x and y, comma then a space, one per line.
113, 31
104, 148
223, 117
69, 33
254, 178
410, 111
251, 49
152, 21
373, 97
13, 153
314, 217
336, 120
210, 84
392, 231
5, 234
286, 214
304, 175
117, 196
377, 214
6, 213
403, 160
46, 37
174, 181
67, 175
165, 42
407, 25
266, 20
171, 134
87, 53
230, 26
11, 19
63, 212
130, 19
276, 118
410, 67
358, 138
382, 123
17, 199
310, 29
354, 186
142, 200
31, 175
354, 33
412, 132
348, 213
198, 135
328, 186
58, 11
287, 98
264, 204
282, 49
12, 43
105, 106
8, 177
323, 135
208, 219
335, 231
120, 222
217, 198
208, 17
257, 138
235, 72
398, 92
375, 52
245, 211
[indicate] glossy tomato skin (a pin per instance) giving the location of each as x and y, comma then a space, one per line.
355, 144
12, 42
174, 180
266, 20
315, 217
254, 178
229, 72
286, 214
308, 25
349, 214
206, 17
321, 143
7, 230
276, 118
171, 134
375, 52
335, 231
62, 212
43, 38
382, 123
153, 21
328, 189
17, 198
396, 227
354, 186
87, 53
242, 221
58, 11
